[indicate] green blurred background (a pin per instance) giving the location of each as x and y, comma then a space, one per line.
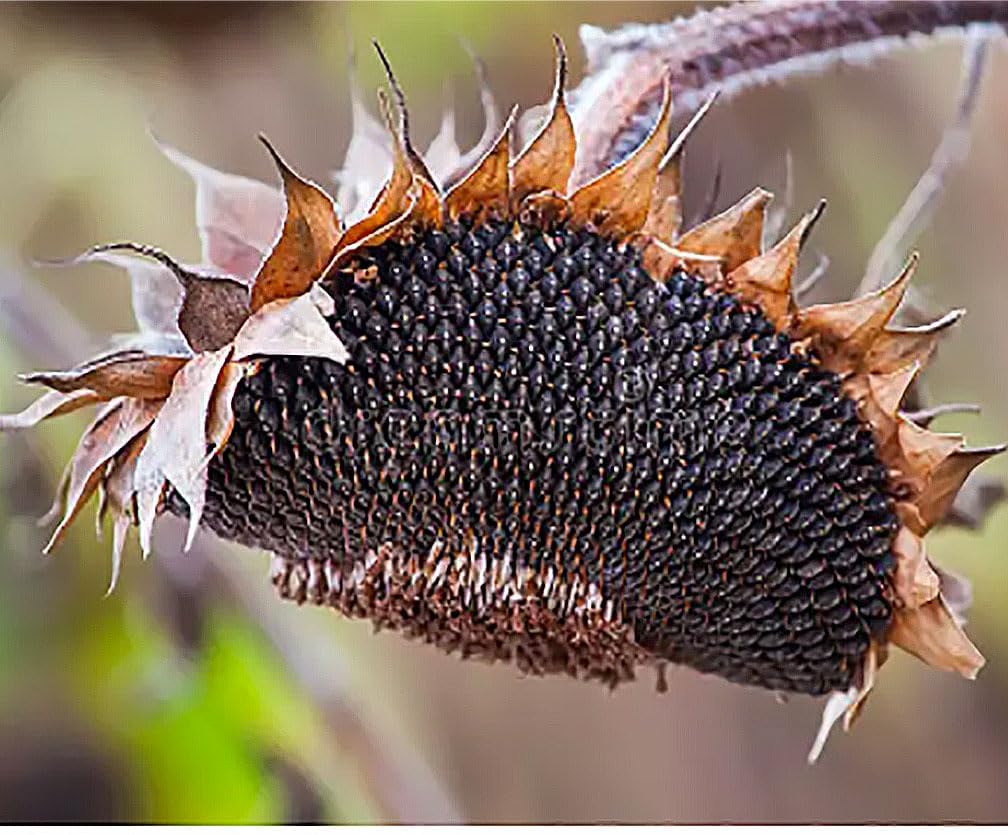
191, 695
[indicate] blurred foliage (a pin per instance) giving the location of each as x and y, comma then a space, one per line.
170, 702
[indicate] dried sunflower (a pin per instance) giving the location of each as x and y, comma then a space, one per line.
529, 418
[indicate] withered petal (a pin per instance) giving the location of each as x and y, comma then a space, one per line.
617, 202
289, 327
735, 235
175, 452
931, 633
109, 434
237, 217
483, 193
49, 405
124, 373
307, 242
547, 161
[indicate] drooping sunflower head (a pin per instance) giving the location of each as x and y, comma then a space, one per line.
534, 420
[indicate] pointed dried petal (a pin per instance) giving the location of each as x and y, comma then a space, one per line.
868, 671
443, 154
130, 373
119, 487
617, 202
491, 124
897, 347
888, 389
851, 328
289, 327
932, 634
547, 161
175, 451
674, 154
915, 582
924, 449
956, 591
368, 157
307, 241
222, 417
237, 217
484, 191
837, 704
109, 434
736, 235
766, 279
393, 200
948, 478
213, 307
156, 292
978, 496
51, 404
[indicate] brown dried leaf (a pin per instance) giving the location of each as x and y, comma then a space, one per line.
888, 389
212, 307
238, 218
103, 439
617, 202
898, 347
661, 260
766, 279
289, 327
848, 330
932, 634
222, 418
175, 452
547, 161
307, 242
947, 479
49, 405
868, 670
393, 201
124, 373
119, 489
735, 235
915, 582
665, 217
483, 193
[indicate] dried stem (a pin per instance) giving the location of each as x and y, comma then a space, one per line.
921, 203
735, 48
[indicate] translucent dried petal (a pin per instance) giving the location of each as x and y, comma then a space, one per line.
932, 634
237, 217
103, 440
51, 404
289, 327
175, 452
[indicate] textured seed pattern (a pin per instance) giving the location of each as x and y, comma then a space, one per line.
655, 454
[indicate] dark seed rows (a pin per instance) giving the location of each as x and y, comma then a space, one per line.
538, 398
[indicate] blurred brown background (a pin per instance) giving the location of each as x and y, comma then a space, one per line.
170, 702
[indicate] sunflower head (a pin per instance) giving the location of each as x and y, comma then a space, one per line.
532, 419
